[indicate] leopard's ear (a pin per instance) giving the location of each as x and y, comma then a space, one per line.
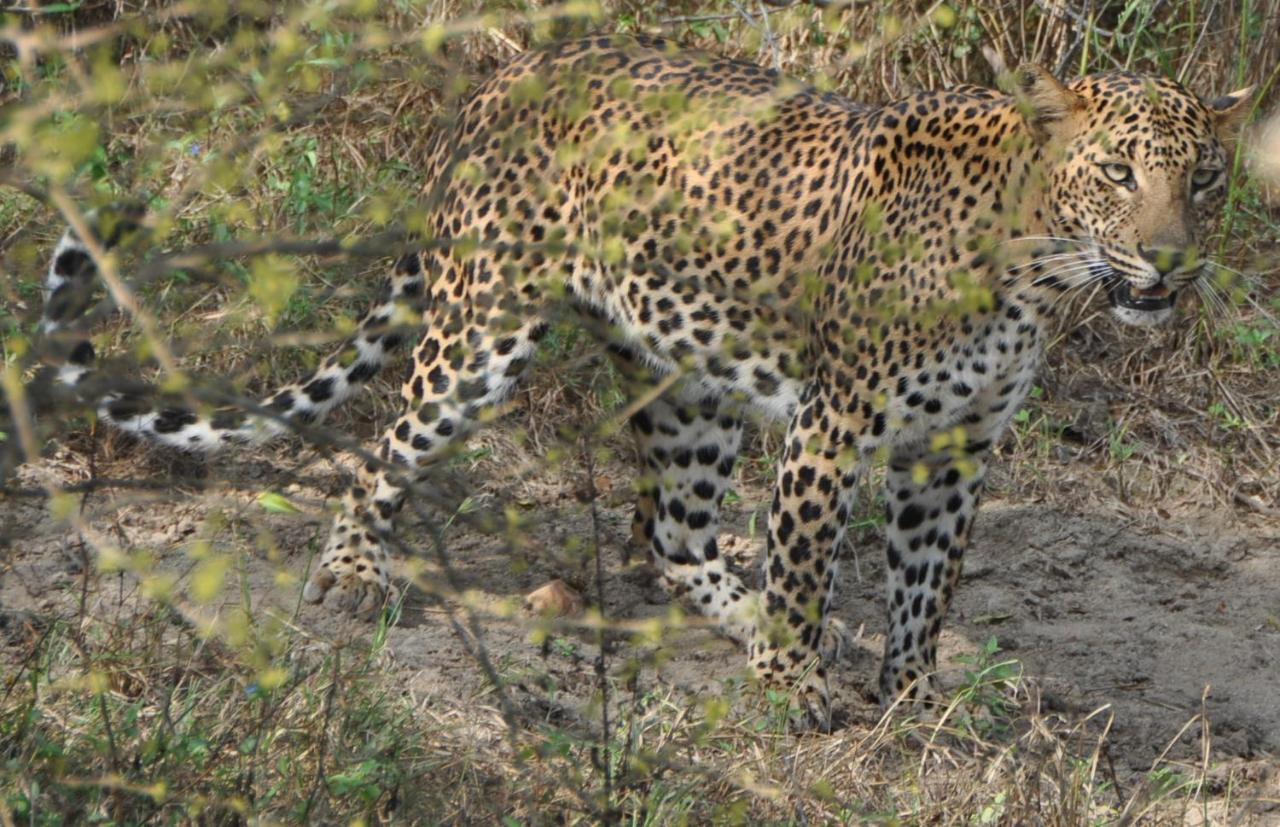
1047, 103
1229, 113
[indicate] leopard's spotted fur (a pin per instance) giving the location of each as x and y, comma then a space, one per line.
877, 278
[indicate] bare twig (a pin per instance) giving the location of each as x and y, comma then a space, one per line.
1063, 11
602, 672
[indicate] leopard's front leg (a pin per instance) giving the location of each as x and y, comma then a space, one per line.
811, 501
354, 573
930, 505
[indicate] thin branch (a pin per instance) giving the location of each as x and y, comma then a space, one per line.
8, 178
777, 7
1065, 11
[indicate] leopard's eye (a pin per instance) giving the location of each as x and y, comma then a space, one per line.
1121, 174
1204, 177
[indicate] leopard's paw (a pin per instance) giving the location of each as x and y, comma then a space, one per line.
911, 692
801, 681
814, 700
359, 589
808, 701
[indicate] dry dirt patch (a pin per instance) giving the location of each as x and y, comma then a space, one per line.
1142, 611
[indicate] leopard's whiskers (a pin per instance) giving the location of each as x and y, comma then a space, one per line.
1211, 299
1040, 262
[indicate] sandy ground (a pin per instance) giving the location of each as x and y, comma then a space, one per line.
1143, 611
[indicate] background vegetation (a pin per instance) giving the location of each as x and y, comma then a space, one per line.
241, 121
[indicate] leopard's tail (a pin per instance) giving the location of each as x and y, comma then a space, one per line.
67, 291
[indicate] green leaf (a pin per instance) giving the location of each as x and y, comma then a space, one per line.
58, 8
272, 282
207, 579
277, 503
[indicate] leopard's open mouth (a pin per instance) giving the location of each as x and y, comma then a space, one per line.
1150, 300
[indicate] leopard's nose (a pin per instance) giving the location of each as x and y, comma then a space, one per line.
1165, 259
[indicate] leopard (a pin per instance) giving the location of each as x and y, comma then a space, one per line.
879, 280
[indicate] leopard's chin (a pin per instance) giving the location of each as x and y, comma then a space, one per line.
1149, 307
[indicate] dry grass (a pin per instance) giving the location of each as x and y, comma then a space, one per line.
136, 717
133, 713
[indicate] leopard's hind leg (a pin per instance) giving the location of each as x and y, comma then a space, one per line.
688, 446
471, 359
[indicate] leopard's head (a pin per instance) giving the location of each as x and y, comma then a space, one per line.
1137, 171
